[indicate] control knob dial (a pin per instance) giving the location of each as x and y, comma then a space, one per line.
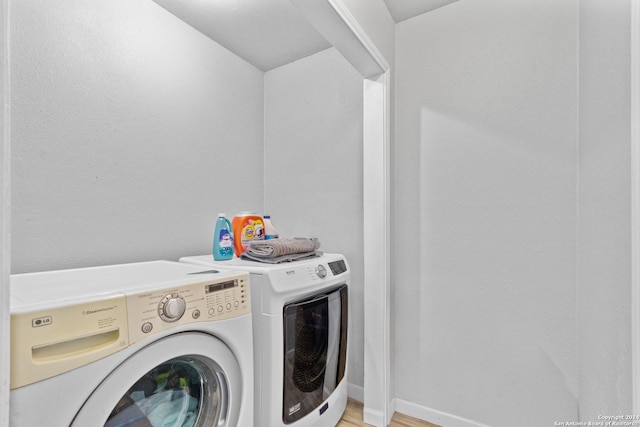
172, 307
321, 271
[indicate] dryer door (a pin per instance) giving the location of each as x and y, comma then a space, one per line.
186, 380
315, 343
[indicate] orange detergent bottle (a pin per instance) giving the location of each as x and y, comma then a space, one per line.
247, 227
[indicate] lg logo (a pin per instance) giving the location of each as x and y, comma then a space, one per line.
41, 321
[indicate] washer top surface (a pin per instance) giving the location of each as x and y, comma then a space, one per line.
53, 287
261, 267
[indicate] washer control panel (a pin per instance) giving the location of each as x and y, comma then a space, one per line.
156, 310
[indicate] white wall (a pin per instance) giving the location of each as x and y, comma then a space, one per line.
131, 131
313, 166
4, 216
485, 190
604, 210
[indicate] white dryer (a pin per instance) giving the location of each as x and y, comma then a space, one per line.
132, 345
300, 318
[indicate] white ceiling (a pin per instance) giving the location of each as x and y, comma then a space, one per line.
266, 33
270, 33
405, 9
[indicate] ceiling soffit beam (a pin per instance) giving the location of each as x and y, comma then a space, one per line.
344, 33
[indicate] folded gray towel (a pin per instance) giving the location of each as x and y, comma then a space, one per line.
276, 248
283, 258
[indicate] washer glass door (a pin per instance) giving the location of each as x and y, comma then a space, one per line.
184, 380
179, 392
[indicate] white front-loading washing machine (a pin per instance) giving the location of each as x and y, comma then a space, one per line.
134, 345
300, 319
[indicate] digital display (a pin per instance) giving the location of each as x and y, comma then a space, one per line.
215, 287
338, 267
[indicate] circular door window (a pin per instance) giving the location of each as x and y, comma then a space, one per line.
185, 380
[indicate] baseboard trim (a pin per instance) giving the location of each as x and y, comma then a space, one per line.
355, 392
373, 417
434, 416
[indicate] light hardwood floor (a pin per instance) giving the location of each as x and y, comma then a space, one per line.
353, 417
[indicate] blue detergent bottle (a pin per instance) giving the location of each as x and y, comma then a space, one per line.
222, 239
